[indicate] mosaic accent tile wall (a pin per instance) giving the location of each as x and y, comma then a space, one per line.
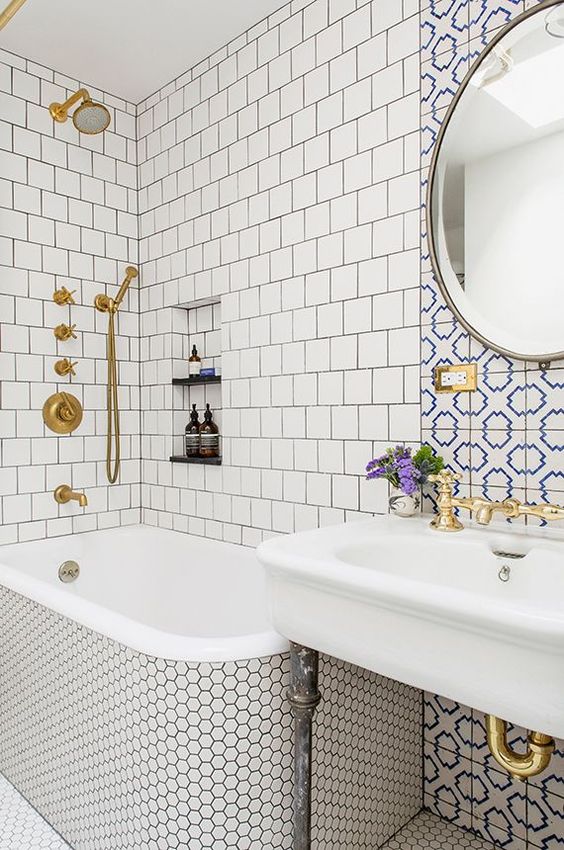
506, 439
118, 750
465, 785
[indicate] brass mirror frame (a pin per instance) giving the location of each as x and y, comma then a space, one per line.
543, 359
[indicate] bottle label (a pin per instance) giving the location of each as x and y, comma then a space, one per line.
192, 444
194, 367
209, 442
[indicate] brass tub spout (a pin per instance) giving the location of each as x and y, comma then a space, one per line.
521, 766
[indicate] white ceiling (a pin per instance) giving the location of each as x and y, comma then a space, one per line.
128, 48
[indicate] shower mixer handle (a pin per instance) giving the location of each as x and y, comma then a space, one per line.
64, 332
63, 296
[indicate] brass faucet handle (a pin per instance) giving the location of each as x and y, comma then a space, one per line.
445, 478
446, 519
65, 367
64, 332
62, 296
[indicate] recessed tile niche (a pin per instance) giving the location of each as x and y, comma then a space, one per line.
195, 323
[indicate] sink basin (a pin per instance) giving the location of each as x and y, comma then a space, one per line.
476, 616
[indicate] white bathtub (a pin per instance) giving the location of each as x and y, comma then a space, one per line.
160, 592
143, 707
139, 700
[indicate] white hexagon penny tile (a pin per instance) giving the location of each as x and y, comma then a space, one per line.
429, 832
21, 827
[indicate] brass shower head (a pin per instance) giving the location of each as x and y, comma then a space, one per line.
90, 117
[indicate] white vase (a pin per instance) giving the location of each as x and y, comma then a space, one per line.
403, 505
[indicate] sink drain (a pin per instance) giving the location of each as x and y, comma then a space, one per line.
505, 573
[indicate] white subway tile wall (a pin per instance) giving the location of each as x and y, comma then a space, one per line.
281, 178
68, 217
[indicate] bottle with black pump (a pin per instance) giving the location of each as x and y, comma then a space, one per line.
209, 435
193, 434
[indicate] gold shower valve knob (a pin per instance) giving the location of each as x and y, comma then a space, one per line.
62, 413
65, 367
62, 296
65, 332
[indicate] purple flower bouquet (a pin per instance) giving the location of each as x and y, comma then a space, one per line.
406, 473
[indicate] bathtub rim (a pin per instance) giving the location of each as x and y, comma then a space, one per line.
133, 634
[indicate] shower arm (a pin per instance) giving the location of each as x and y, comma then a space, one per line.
9, 12
60, 111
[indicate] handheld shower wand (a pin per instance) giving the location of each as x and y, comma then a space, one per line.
105, 304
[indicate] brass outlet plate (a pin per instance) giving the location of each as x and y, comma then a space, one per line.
462, 378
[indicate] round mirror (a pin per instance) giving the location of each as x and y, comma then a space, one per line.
496, 193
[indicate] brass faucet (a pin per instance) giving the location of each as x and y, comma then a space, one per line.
64, 494
482, 508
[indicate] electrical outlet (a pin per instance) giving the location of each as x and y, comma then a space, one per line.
456, 379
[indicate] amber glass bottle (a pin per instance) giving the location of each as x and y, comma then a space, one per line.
194, 363
193, 434
209, 436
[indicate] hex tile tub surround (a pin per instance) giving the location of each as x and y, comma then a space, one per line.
119, 750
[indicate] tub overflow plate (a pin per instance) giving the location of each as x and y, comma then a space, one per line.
69, 571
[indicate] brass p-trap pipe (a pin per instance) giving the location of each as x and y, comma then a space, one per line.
521, 766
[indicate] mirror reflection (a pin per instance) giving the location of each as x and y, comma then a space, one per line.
498, 193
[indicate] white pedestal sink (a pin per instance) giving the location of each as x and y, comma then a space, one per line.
442, 612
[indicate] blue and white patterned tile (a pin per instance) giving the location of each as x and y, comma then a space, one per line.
545, 462
448, 777
499, 802
447, 812
453, 445
444, 343
501, 839
430, 127
545, 399
444, 26
552, 780
448, 724
500, 401
497, 460
487, 16
441, 77
444, 410
546, 819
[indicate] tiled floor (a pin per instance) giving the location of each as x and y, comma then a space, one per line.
428, 832
21, 828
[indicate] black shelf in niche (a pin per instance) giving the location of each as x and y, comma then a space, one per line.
210, 461
195, 380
